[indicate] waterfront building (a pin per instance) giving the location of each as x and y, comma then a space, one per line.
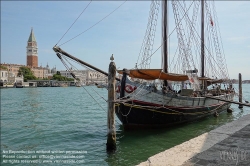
86, 76
39, 72
3, 75
8, 77
13, 68
12, 78
96, 77
49, 74
53, 71
31, 59
80, 74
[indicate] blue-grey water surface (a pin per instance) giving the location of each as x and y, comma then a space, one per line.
68, 119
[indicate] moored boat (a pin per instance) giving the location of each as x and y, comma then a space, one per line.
147, 98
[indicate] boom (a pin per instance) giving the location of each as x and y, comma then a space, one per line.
59, 51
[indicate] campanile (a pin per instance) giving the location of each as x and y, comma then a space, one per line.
32, 54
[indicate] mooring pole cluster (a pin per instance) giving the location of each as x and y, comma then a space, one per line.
240, 91
111, 140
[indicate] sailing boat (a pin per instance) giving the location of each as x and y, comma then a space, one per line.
147, 98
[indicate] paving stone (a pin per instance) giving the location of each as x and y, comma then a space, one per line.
234, 150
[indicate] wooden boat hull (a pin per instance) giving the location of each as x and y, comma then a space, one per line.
148, 107
133, 114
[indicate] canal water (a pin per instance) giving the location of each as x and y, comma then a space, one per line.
63, 119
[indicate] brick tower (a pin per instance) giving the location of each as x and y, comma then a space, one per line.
32, 54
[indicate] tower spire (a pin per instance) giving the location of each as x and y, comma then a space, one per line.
32, 36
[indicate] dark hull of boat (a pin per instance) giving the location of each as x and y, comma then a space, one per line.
138, 116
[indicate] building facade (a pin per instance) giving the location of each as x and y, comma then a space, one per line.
12, 68
39, 72
31, 59
8, 77
86, 76
95, 77
4, 75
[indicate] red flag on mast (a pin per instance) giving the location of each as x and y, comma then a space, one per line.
211, 21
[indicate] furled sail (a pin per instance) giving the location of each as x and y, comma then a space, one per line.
152, 74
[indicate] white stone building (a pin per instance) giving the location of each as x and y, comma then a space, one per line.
4, 75
12, 78
7, 77
86, 76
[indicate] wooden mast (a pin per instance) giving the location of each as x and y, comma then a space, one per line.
204, 86
202, 39
164, 39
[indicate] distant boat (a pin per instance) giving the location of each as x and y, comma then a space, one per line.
63, 85
142, 103
80, 84
18, 85
101, 85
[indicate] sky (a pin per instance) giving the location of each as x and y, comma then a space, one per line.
120, 34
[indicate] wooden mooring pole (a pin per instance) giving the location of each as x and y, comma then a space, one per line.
111, 140
240, 91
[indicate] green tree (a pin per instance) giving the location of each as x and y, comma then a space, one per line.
27, 73
29, 77
59, 77
3, 67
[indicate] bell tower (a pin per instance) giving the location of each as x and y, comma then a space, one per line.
32, 53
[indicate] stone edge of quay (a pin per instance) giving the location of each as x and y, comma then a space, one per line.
179, 154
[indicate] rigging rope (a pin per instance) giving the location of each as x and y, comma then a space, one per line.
147, 45
166, 39
208, 51
98, 102
184, 51
154, 109
69, 69
94, 24
99, 95
77, 73
216, 42
217, 25
74, 21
